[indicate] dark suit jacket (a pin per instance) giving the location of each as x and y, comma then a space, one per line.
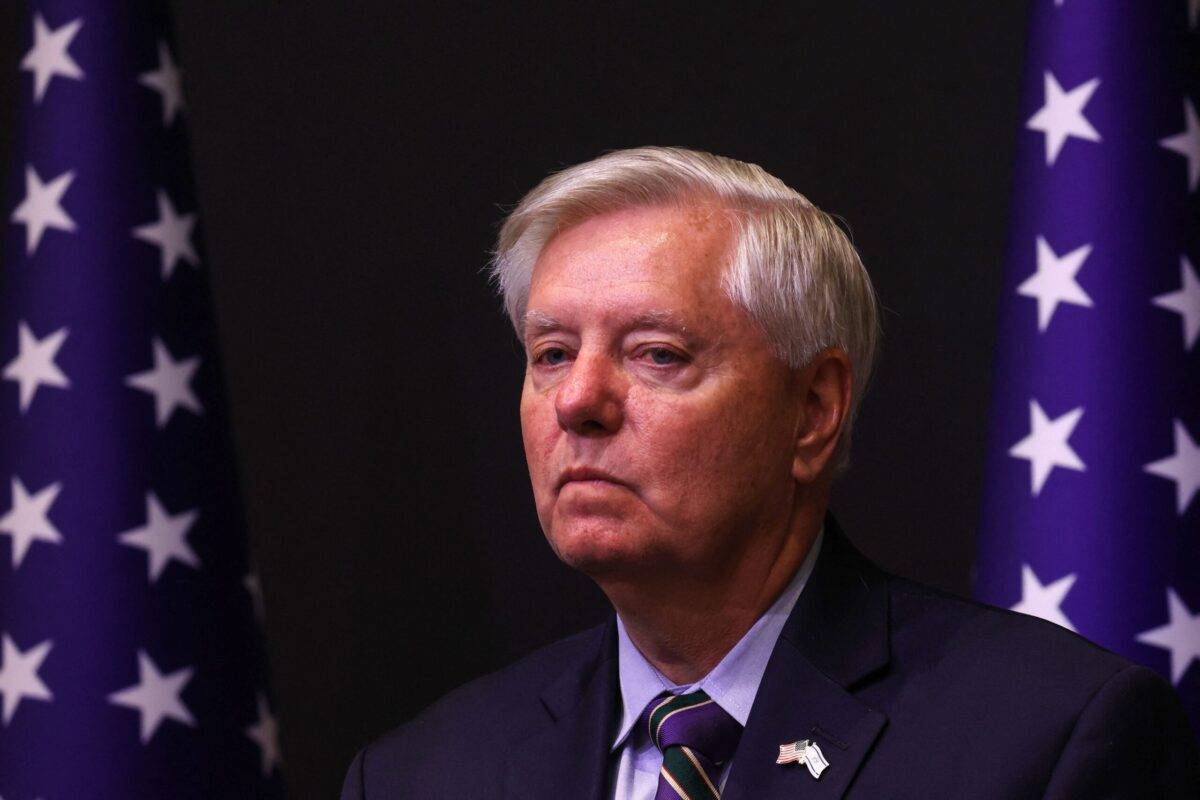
910, 693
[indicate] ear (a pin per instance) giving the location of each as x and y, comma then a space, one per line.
824, 390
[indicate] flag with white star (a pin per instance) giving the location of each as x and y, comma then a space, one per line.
1091, 515
131, 655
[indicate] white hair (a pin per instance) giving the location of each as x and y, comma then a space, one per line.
791, 267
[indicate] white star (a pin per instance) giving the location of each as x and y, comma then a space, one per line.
169, 383
1187, 144
1054, 282
41, 207
1062, 115
18, 675
1185, 302
1183, 468
34, 365
265, 734
155, 696
1181, 636
1044, 601
49, 56
1046, 445
163, 537
167, 81
171, 233
27, 520
254, 588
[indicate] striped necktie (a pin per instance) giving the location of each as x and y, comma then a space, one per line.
696, 737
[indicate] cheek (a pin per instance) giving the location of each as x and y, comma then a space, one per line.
532, 409
539, 429
675, 441
701, 459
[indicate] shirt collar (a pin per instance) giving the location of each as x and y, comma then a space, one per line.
733, 682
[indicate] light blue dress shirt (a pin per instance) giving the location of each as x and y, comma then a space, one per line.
732, 684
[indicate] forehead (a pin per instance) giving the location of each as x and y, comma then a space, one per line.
660, 260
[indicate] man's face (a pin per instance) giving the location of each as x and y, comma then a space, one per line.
658, 425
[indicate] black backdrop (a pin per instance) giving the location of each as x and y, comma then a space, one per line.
353, 162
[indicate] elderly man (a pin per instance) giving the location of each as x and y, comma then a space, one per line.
698, 336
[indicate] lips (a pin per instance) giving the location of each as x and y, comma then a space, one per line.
574, 474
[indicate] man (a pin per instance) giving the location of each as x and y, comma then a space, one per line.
698, 337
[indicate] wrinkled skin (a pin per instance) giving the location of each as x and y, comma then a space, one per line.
708, 454
654, 376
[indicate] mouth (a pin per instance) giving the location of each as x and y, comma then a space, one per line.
589, 475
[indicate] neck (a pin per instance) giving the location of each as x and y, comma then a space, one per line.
685, 625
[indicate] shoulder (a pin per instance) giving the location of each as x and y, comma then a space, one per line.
501, 707
1132, 739
984, 654
1023, 674
1032, 692
507, 696
985, 638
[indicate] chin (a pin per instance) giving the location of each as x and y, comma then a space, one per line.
599, 547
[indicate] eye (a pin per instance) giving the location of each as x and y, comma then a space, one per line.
663, 357
552, 356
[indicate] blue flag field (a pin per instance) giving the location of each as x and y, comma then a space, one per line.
1092, 505
132, 663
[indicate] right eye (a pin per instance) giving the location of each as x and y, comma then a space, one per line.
552, 356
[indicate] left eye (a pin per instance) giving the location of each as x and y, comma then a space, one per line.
662, 356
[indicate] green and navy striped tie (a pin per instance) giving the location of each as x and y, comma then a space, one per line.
697, 738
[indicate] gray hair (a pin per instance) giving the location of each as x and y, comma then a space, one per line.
791, 267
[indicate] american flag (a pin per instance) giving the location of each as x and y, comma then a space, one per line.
131, 660
792, 752
1092, 505
806, 752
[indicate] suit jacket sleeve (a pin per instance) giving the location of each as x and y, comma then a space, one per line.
1132, 740
352, 788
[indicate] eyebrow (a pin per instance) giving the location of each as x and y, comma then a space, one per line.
541, 322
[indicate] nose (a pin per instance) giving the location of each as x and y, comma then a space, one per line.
590, 399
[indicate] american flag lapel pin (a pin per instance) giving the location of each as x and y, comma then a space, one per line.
806, 752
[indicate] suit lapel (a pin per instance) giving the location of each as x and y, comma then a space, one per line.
835, 637
796, 701
570, 756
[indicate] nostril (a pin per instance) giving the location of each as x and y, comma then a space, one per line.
592, 426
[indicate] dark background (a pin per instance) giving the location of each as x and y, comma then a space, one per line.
354, 160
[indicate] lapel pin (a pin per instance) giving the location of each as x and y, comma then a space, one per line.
805, 752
